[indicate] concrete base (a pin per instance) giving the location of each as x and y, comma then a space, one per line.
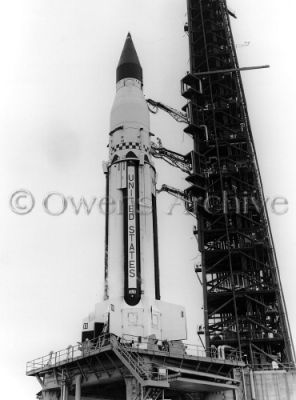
261, 385
275, 385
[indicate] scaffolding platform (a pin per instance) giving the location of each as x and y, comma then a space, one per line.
107, 366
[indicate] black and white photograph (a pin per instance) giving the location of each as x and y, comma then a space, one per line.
148, 208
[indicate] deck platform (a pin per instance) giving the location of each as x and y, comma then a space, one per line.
106, 366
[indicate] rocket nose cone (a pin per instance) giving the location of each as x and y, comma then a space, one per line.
129, 65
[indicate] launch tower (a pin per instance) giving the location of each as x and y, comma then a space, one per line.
244, 306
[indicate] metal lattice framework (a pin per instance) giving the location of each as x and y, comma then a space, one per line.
244, 305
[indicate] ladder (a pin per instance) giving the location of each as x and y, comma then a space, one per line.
132, 360
152, 393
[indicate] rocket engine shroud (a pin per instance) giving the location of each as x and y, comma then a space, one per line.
132, 305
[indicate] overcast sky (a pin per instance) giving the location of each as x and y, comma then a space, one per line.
57, 79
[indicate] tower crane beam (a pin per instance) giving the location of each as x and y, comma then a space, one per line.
178, 116
180, 194
171, 157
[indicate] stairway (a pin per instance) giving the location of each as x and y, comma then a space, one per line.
138, 367
152, 393
132, 360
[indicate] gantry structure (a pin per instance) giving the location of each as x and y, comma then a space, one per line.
244, 306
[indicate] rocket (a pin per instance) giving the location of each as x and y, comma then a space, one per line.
131, 247
132, 306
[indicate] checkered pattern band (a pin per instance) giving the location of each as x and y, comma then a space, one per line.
128, 146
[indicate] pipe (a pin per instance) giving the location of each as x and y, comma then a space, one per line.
78, 387
253, 393
244, 384
64, 388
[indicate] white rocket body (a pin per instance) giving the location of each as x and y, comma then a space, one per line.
132, 305
131, 180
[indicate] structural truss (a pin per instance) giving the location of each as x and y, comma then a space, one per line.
244, 305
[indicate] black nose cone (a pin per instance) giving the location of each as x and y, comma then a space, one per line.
129, 65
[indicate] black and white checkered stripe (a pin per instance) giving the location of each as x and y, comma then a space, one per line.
128, 146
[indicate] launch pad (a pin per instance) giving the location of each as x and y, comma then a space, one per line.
109, 367
132, 343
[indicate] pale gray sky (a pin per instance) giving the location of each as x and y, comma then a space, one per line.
57, 77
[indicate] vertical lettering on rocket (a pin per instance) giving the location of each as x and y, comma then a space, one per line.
132, 232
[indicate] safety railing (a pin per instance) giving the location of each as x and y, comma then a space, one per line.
220, 352
131, 344
274, 366
71, 353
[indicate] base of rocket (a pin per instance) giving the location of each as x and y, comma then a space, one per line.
162, 320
